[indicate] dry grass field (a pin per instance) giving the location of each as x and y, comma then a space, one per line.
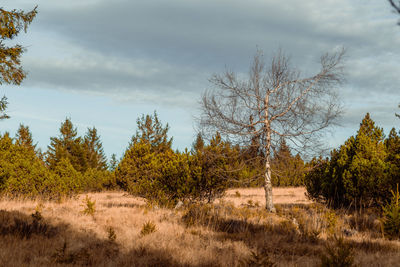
234, 231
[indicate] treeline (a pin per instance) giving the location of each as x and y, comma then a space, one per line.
71, 165
149, 167
361, 172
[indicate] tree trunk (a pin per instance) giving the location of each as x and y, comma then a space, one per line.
269, 204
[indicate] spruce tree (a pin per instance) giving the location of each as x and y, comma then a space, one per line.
198, 143
94, 150
24, 137
140, 168
67, 146
214, 167
11, 23
113, 163
151, 131
357, 173
288, 170
392, 145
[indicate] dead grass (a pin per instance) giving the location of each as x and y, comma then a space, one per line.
282, 195
230, 232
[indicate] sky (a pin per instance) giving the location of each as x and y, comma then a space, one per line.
105, 63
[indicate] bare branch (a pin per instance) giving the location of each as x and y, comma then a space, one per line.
274, 102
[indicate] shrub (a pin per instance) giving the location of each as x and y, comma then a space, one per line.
391, 213
258, 259
89, 206
148, 228
22, 173
97, 180
337, 253
111, 235
357, 174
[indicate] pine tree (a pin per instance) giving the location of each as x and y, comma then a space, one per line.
151, 131
357, 173
11, 23
69, 146
24, 137
392, 145
214, 167
94, 150
139, 170
113, 163
288, 170
198, 143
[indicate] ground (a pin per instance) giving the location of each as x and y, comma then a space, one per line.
116, 229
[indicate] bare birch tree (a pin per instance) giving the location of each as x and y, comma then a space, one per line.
272, 103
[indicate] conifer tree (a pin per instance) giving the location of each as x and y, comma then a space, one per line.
198, 143
217, 165
151, 131
113, 163
24, 137
357, 173
288, 169
94, 150
140, 168
392, 145
11, 23
67, 145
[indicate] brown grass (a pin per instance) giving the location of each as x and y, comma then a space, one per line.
230, 232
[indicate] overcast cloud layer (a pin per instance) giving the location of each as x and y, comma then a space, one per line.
160, 54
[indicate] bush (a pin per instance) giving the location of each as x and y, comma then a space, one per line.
391, 213
88, 206
148, 228
165, 177
22, 173
338, 253
357, 174
97, 180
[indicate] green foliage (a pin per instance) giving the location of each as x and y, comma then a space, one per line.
94, 150
287, 170
148, 228
89, 207
11, 23
21, 172
97, 180
151, 131
67, 146
113, 163
151, 169
391, 213
3, 107
70, 180
337, 254
213, 167
357, 174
